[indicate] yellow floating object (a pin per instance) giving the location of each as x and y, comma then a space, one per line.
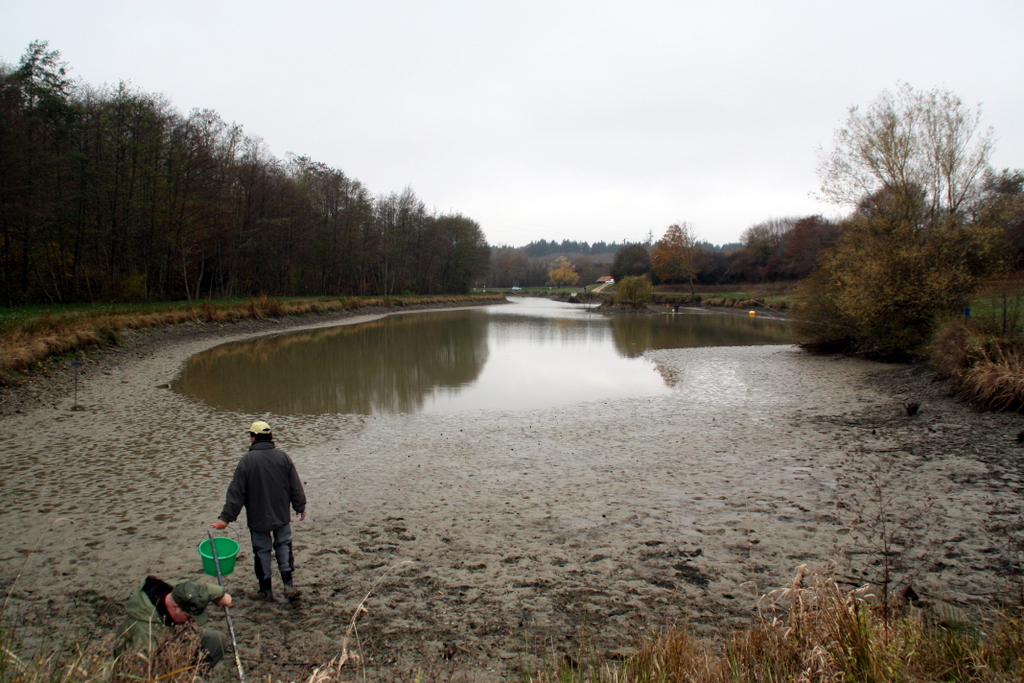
752, 314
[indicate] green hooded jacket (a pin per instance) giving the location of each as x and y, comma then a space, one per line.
143, 628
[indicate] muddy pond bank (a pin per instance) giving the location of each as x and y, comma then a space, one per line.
489, 541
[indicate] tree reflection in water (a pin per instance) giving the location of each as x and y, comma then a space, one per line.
636, 333
533, 354
389, 365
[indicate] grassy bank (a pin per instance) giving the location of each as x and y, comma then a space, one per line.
811, 631
32, 334
776, 296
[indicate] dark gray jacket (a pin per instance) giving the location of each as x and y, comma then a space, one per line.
266, 484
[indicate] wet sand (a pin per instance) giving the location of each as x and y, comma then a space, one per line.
489, 542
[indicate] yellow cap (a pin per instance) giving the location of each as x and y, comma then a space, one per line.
259, 427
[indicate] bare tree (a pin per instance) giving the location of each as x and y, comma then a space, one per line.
910, 138
912, 165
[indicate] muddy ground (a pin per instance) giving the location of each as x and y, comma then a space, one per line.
487, 543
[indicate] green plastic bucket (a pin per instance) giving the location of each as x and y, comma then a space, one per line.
227, 551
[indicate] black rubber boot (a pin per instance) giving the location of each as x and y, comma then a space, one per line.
290, 591
265, 592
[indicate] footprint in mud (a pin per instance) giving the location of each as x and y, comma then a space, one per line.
692, 575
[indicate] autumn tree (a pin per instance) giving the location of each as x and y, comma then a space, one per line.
563, 274
459, 254
38, 125
925, 142
911, 165
673, 255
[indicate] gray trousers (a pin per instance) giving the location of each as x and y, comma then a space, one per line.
280, 541
214, 644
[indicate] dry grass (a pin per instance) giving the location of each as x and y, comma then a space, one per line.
177, 661
823, 634
22, 345
74, 656
988, 370
996, 383
95, 661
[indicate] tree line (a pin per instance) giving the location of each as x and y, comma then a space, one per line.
565, 247
775, 250
791, 249
110, 194
771, 251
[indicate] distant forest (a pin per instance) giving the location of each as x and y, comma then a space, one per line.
567, 247
771, 251
775, 250
110, 194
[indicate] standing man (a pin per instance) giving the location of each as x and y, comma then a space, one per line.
266, 484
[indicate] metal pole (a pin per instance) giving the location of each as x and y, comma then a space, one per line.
227, 611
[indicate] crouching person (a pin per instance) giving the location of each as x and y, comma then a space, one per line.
159, 612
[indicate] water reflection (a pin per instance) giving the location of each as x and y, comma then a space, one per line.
390, 365
635, 334
531, 354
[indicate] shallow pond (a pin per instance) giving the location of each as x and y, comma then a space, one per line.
531, 353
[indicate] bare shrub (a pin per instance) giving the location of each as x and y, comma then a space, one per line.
888, 522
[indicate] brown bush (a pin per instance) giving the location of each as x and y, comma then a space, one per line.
987, 370
997, 383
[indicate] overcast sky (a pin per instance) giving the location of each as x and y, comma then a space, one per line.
551, 120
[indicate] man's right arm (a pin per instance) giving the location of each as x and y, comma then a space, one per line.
233, 500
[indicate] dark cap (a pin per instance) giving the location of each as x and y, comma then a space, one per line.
192, 597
